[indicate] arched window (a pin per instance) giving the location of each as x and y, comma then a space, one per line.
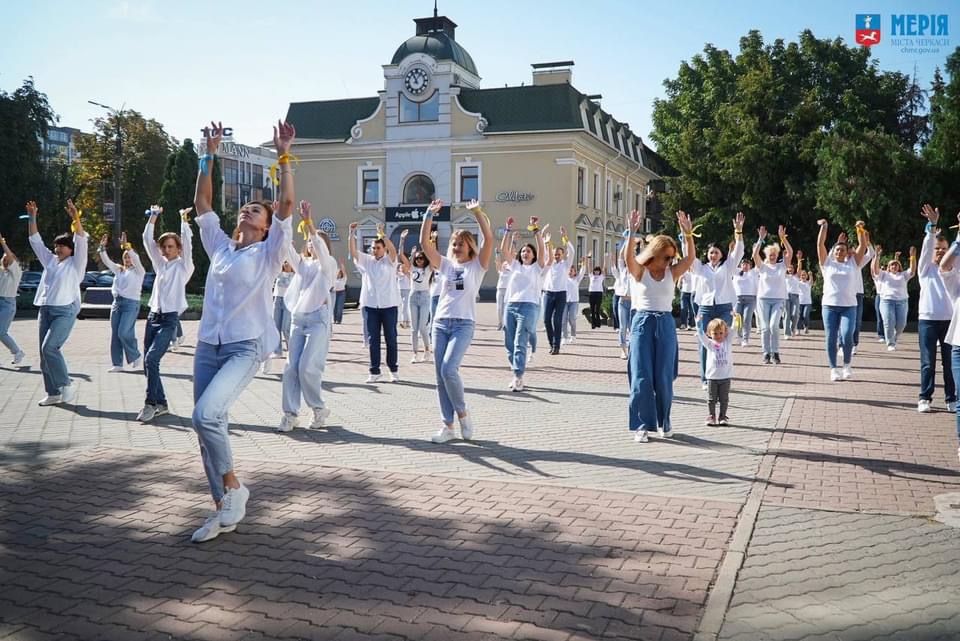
418, 190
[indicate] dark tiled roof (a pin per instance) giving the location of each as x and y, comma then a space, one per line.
530, 108
438, 45
329, 119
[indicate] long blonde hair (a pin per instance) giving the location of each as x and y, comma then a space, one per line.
656, 245
467, 238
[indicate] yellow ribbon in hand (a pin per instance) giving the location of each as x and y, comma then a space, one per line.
185, 214
304, 229
127, 247
284, 159
564, 241
73, 223
693, 231
737, 322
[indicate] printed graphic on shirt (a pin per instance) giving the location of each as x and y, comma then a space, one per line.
458, 279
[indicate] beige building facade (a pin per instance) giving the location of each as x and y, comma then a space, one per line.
541, 149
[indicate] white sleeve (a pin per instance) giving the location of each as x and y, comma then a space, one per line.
43, 253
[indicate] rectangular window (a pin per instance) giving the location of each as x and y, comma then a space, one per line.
618, 198
469, 183
581, 242
580, 186
609, 196
371, 187
230, 176
257, 176
647, 227
596, 252
606, 247
426, 111
596, 191
636, 201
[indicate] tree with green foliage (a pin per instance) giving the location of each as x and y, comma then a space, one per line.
943, 150
180, 177
754, 132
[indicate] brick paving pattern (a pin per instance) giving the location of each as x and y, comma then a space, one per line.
552, 524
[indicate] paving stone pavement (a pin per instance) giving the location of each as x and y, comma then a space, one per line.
535, 530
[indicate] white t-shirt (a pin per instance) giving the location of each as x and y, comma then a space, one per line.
892, 286
403, 281
687, 283
621, 283
934, 304
420, 278
309, 289
127, 282
719, 356
459, 285
746, 283
378, 286
573, 286
524, 284
793, 284
10, 280
503, 277
857, 282
596, 283
839, 282
806, 296
340, 284
282, 283
773, 281
556, 274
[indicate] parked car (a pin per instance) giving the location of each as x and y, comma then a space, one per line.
97, 301
148, 279
89, 280
29, 282
105, 278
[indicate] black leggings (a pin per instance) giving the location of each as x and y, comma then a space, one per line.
595, 299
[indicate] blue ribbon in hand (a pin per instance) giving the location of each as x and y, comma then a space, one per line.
25, 217
205, 164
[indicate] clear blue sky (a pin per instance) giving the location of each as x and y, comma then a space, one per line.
185, 62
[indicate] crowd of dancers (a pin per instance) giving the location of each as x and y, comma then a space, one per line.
261, 291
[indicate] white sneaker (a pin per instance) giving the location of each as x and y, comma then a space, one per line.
211, 529
564, 341
847, 373
662, 434
373, 378
704, 386
17, 358
923, 406
160, 410
147, 413
572, 340
786, 337
178, 341
444, 435
519, 385
320, 415
394, 377
265, 366
623, 356
51, 399
640, 436
881, 340
743, 343
466, 428
952, 407
69, 392
234, 506
288, 423
891, 348
416, 358
530, 358
115, 368
854, 350
136, 365
834, 374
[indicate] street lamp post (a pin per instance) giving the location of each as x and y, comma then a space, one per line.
117, 169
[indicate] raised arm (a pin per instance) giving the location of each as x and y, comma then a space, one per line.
203, 196
105, 258
929, 238
822, 242
875, 264
757, 257
863, 244
946, 264
735, 255
79, 258
507, 236
387, 243
402, 254
283, 136
149, 243
483, 221
541, 245
913, 263
429, 249
352, 241
690, 254
787, 247
8, 256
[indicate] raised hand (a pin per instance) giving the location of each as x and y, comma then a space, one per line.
473, 205
381, 230
305, 211
509, 224
123, 239
156, 210
353, 226
822, 222
634, 220
436, 206
283, 136
543, 230
762, 232
403, 235
738, 221
879, 250
214, 137
275, 205
896, 255
782, 232
71, 209
686, 226
913, 252
31, 208
103, 240
842, 238
932, 214
799, 254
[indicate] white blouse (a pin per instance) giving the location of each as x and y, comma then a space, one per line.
237, 303
746, 283
556, 274
717, 282
309, 288
170, 285
573, 285
379, 282
60, 281
893, 286
10, 280
127, 283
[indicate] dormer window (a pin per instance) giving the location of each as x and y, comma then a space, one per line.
426, 111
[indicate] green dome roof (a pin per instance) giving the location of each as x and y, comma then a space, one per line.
438, 45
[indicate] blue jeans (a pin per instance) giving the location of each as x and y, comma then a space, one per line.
895, 311
803, 322
451, 338
932, 332
520, 321
839, 322
625, 313
652, 367
858, 321
341, 300
306, 360
123, 336
770, 310
615, 308
570, 320
56, 323
381, 319
420, 320
8, 309
179, 328
723, 311
281, 316
404, 309
792, 315
746, 306
157, 335
554, 304
687, 317
879, 316
434, 301
220, 374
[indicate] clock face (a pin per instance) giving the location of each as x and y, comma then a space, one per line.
416, 81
